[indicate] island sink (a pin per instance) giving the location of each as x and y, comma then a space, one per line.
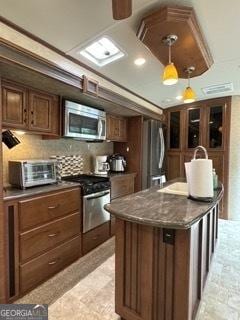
180, 188
164, 247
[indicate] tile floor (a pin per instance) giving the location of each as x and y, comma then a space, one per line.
93, 297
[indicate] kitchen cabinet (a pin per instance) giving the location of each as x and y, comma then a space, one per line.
194, 125
175, 130
30, 110
95, 237
121, 185
14, 106
205, 123
44, 235
116, 128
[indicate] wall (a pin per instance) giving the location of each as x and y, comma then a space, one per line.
234, 165
33, 147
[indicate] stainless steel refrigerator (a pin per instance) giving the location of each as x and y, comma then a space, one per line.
153, 171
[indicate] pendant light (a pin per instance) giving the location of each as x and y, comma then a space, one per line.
189, 94
170, 74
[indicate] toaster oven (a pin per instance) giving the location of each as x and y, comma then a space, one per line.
29, 173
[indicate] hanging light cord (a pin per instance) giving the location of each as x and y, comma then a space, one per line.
188, 79
169, 54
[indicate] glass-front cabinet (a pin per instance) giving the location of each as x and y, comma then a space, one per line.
193, 128
215, 124
175, 130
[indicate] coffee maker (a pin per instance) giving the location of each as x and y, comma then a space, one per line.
101, 166
117, 163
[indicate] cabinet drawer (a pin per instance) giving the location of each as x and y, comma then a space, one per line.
122, 186
37, 211
38, 240
46, 265
95, 237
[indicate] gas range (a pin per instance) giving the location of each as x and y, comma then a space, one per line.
90, 183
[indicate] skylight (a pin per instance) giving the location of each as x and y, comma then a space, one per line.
102, 52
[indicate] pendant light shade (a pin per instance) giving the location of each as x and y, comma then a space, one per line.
189, 94
170, 74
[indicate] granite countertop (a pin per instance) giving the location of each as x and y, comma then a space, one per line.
113, 175
150, 207
11, 193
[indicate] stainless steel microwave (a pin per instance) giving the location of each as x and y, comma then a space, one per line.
29, 173
83, 122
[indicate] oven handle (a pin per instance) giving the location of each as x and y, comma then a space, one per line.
97, 195
100, 127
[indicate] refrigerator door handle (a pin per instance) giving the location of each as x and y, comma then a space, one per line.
162, 148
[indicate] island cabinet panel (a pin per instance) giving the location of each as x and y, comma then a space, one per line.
161, 273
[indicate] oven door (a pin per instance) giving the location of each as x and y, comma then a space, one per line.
93, 210
38, 173
83, 125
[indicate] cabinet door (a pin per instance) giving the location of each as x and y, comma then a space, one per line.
14, 104
215, 126
175, 130
194, 126
41, 109
173, 165
116, 128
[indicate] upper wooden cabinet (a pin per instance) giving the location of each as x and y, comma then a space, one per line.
30, 110
205, 123
174, 125
116, 128
14, 104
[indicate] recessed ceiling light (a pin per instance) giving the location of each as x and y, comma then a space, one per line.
179, 97
139, 61
102, 52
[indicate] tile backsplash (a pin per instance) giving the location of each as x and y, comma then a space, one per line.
33, 147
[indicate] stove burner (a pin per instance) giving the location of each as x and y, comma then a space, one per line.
90, 183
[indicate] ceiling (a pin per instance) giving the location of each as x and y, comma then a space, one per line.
71, 24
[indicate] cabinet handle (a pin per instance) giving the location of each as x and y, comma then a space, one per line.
25, 110
32, 112
32, 122
52, 235
95, 238
52, 262
53, 207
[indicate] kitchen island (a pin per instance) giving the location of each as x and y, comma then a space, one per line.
164, 246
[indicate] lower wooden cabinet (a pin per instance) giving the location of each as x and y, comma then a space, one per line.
46, 265
48, 236
95, 237
121, 185
44, 236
